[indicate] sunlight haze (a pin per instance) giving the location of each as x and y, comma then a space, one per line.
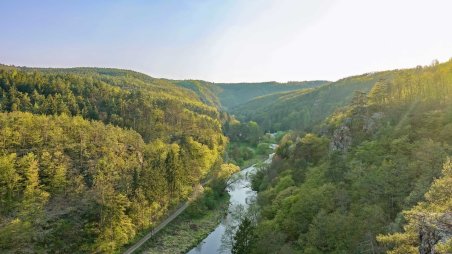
228, 41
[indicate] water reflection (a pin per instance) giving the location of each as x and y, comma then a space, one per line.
241, 204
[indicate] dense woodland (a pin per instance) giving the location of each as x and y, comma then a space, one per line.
228, 96
373, 177
304, 108
90, 157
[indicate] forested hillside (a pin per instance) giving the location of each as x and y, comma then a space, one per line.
301, 109
230, 95
89, 157
362, 183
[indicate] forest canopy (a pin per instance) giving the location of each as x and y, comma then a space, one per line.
90, 157
370, 178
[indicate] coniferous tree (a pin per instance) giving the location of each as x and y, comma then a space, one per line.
244, 237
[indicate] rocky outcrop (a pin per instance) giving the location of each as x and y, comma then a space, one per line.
341, 139
372, 123
434, 230
342, 136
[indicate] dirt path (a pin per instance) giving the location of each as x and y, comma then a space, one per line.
163, 224
157, 229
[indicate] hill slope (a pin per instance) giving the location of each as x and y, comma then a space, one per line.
297, 110
89, 157
230, 95
366, 172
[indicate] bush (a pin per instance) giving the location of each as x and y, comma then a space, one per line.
263, 148
247, 153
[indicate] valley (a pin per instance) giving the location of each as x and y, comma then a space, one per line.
94, 159
226, 127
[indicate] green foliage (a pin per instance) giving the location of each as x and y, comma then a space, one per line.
249, 132
428, 223
230, 95
303, 108
190, 227
101, 155
152, 107
243, 238
263, 148
239, 153
248, 144
9, 180
221, 177
368, 170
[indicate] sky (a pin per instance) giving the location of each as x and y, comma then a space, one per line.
228, 40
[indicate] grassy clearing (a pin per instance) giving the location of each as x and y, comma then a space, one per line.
246, 155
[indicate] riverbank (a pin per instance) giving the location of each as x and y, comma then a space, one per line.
200, 219
187, 230
241, 197
244, 154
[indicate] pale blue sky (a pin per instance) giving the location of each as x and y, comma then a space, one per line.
229, 40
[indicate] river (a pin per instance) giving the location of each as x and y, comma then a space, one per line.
218, 241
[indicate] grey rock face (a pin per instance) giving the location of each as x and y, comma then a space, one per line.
341, 139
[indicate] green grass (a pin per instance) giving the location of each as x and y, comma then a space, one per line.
187, 230
256, 159
255, 156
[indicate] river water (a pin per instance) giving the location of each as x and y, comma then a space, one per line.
219, 240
